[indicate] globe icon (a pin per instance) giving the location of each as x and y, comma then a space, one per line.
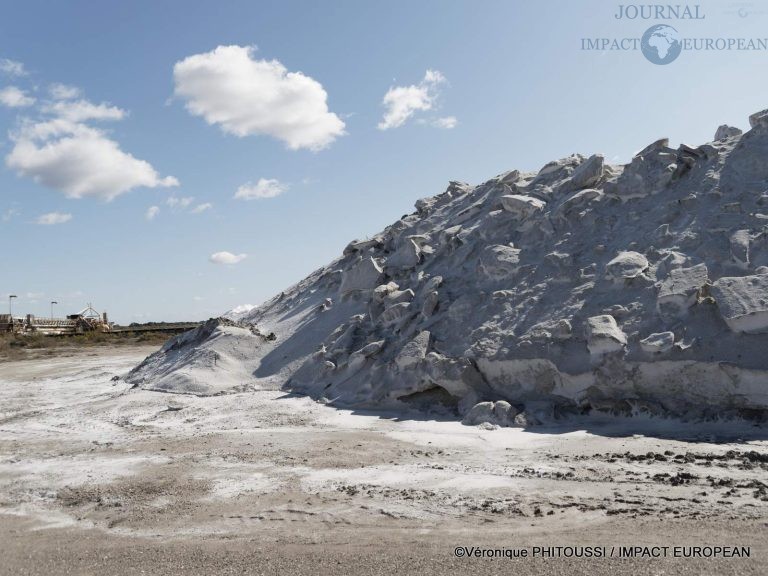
661, 44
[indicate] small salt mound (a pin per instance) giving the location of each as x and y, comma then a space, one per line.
208, 360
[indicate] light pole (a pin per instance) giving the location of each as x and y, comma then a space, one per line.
10, 305
52, 303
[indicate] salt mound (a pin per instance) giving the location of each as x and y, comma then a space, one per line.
210, 359
584, 286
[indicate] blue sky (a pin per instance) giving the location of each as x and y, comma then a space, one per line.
509, 87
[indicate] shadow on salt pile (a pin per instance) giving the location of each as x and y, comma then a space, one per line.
716, 432
722, 431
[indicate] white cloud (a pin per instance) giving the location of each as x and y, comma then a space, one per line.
433, 77
79, 160
82, 110
184, 202
63, 91
198, 298
245, 96
60, 149
53, 218
447, 122
12, 68
14, 97
402, 102
226, 258
202, 208
264, 188
152, 212
9, 214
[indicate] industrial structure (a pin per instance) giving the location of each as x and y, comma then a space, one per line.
87, 320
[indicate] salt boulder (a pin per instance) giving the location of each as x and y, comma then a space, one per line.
604, 336
430, 303
562, 330
681, 289
372, 349
743, 302
395, 314
588, 173
381, 292
510, 177
500, 413
660, 145
625, 266
658, 342
480, 413
363, 275
423, 205
398, 296
414, 351
759, 119
577, 201
726, 131
458, 376
504, 413
362, 245
499, 262
433, 283
354, 363
407, 256
650, 171
555, 171
522, 206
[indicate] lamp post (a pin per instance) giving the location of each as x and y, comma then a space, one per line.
52, 303
10, 305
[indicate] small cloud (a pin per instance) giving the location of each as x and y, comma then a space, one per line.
433, 77
446, 123
202, 208
12, 68
9, 214
152, 212
64, 92
227, 258
184, 202
264, 188
247, 96
82, 110
198, 298
53, 218
14, 97
402, 102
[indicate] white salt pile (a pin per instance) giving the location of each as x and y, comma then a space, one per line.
585, 286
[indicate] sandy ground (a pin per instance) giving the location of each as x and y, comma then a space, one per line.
96, 477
